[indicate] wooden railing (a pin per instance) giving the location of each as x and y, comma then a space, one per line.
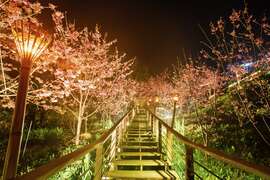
105, 148
159, 126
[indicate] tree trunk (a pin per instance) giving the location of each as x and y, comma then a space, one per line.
78, 131
85, 125
79, 123
42, 118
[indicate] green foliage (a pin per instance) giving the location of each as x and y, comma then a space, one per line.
43, 145
178, 160
46, 135
217, 167
80, 169
229, 131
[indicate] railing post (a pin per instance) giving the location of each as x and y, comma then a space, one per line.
189, 163
122, 128
169, 146
155, 127
152, 125
133, 113
160, 136
148, 118
98, 162
119, 135
114, 141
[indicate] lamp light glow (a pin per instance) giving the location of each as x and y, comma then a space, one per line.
30, 40
175, 98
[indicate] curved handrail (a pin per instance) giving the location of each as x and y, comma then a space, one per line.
54, 166
259, 170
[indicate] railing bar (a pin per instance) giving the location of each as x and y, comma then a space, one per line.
170, 150
164, 141
179, 150
259, 170
56, 165
108, 151
197, 175
211, 172
109, 148
110, 154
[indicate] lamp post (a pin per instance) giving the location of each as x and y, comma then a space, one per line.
175, 99
30, 43
156, 104
149, 102
149, 116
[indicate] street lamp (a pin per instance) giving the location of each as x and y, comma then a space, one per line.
149, 102
156, 104
156, 99
175, 99
30, 43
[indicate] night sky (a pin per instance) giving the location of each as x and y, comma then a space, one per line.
153, 31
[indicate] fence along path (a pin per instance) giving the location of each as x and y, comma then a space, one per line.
139, 146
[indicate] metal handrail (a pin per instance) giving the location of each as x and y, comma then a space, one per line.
54, 166
259, 170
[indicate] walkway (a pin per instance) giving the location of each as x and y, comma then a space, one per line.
138, 156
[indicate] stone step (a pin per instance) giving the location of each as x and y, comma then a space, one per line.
139, 129
139, 149
139, 134
139, 124
139, 143
139, 165
139, 156
142, 139
146, 175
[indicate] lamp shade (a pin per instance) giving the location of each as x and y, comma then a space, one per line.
30, 40
175, 98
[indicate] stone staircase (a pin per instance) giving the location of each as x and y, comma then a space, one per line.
138, 156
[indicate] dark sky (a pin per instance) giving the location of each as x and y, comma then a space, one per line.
153, 31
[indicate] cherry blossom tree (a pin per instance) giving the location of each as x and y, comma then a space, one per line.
196, 85
157, 86
90, 74
82, 72
239, 45
239, 39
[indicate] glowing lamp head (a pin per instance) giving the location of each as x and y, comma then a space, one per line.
157, 100
29, 39
175, 98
